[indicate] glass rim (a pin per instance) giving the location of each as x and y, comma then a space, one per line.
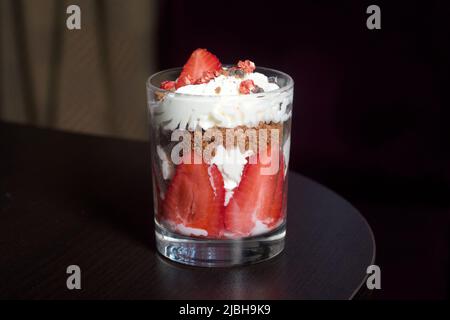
289, 84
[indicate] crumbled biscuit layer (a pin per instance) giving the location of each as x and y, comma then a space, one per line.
246, 138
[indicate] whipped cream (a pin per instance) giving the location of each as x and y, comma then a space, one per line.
230, 163
185, 230
286, 151
229, 85
259, 228
188, 231
204, 106
167, 167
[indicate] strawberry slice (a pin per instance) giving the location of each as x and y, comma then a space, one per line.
168, 85
184, 80
272, 216
258, 197
247, 66
201, 63
246, 86
195, 198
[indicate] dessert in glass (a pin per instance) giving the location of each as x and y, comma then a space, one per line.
220, 139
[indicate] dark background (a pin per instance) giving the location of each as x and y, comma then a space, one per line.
368, 116
369, 106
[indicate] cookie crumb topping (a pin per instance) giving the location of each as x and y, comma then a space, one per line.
247, 86
247, 66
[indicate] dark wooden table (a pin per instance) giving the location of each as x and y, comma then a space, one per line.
75, 199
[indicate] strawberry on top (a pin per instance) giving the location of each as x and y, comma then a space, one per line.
203, 66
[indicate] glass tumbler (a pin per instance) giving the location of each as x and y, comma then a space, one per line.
219, 171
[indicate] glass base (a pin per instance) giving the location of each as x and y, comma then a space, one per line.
219, 253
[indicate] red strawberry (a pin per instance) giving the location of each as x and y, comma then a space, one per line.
184, 80
195, 198
168, 85
258, 197
247, 66
207, 76
272, 216
246, 86
201, 61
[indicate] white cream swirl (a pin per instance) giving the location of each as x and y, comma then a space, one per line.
205, 106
